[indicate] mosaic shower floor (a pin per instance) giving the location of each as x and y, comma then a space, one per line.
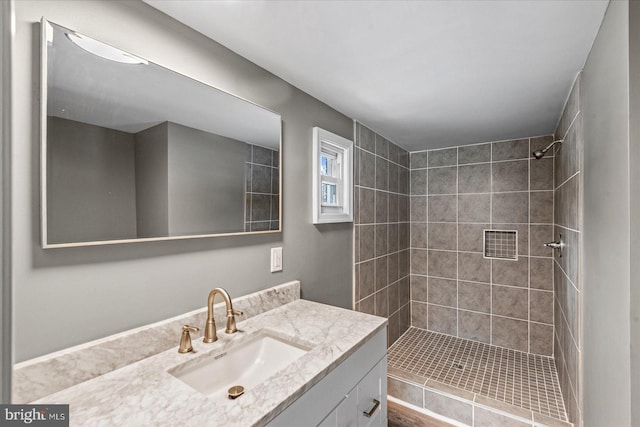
525, 380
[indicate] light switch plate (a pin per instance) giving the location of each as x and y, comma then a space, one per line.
276, 259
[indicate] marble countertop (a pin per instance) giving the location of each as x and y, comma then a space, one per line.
145, 394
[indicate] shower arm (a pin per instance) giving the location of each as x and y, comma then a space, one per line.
538, 154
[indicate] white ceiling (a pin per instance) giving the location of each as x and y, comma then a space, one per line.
424, 74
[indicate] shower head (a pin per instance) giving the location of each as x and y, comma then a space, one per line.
538, 154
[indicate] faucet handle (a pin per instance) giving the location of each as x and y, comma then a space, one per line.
231, 321
185, 338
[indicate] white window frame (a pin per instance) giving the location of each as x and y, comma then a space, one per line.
325, 141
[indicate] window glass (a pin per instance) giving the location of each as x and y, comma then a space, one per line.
329, 193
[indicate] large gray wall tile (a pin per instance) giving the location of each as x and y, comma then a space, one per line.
446, 157
510, 176
442, 208
382, 207
419, 159
478, 153
542, 174
541, 208
474, 267
541, 306
443, 264
474, 208
443, 235
510, 207
419, 261
510, 333
470, 237
510, 302
442, 180
474, 178
541, 339
367, 169
510, 150
382, 146
419, 288
474, 326
418, 182
419, 235
382, 174
367, 138
418, 208
443, 292
474, 296
511, 273
419, 315
443, 319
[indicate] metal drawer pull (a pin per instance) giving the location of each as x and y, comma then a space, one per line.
376, 404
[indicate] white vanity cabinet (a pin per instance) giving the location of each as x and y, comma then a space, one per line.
342, 397
368, 397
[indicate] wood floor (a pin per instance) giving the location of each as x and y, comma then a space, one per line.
401, 416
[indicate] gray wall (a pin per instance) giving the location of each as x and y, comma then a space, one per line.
567, 278
606, 267
457, 193
152, 181
206, 182
6, 355
634, 164
69, 296
91, 192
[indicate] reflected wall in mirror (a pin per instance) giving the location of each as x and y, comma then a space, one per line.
132, 151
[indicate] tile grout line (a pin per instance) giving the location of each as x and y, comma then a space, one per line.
529, 260
483, 249
457, 243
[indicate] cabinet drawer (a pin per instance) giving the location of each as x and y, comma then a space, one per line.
372, 389
347, 410
330, 421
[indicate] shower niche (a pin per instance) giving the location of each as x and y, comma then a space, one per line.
500, 244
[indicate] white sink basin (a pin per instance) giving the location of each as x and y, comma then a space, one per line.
247, 364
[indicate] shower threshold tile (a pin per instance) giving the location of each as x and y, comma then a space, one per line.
456, 391
407, 376
505, 379
506, 407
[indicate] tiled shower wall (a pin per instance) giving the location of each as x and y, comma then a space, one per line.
381, 216
456, 193
567, 278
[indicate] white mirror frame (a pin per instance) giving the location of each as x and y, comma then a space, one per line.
343, 212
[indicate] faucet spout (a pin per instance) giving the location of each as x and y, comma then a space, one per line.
210, 334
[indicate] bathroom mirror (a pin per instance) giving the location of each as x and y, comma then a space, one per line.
132, 151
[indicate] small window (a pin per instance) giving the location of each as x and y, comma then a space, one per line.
332, 177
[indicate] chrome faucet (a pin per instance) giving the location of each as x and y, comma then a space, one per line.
210, 334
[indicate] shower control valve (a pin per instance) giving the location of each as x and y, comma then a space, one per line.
557, 245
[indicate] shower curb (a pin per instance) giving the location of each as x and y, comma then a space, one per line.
461, 407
